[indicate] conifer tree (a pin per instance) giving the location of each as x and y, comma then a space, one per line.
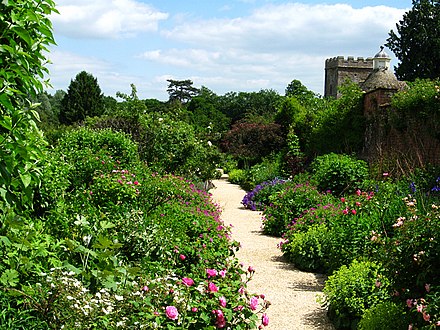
83, 99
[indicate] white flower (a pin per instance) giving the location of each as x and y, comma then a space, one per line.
119, 298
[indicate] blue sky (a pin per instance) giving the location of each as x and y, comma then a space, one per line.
239, 45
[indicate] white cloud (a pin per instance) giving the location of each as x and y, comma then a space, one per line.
105, 18
276, 43
291, 26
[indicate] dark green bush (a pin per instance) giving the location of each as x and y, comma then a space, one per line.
341, 174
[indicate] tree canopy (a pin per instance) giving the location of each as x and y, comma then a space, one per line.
181, 90
417, 41
83, 99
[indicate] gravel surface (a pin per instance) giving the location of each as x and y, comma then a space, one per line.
292, 293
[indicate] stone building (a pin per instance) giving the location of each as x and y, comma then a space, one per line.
339, 69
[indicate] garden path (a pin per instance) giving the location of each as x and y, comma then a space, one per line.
292, 293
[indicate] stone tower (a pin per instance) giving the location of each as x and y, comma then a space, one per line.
338, 70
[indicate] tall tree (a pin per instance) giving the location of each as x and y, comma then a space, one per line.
83, 99
417, 41
181, 90
299, 91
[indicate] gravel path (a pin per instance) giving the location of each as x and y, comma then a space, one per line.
292, 293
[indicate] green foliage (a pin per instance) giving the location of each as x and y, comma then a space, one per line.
339, 174
83, 99
413, 255
205, 116
416, 32
289, 204
339, 125
181, 90
26, 33
384, 316
419, 104
238, 106
351, 290
297, 90
309, 250
237, 176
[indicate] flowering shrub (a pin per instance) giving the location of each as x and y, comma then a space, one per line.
288, 204
258, 198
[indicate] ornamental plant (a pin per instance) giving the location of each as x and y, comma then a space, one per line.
340, 174
288, 204
259, 197
353, 289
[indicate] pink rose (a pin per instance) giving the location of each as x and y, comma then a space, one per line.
265, 320
187, 281
251, 269
194, 309
253, 303
212, 287
342, 199
211, 272
222, 301
182, 257
172, 312
353, 211
222, 273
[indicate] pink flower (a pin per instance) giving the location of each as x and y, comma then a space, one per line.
136, 183
342, 199
345, 211
238, 308
220, 319
253, 303
353, 211
211, 272
358, 192
172, 312
222, 301
222, 273
145, 288
194, 309
426, 317
212, 287
427, 287
265, 320
241, 290
187, 281
182, 257
251, 269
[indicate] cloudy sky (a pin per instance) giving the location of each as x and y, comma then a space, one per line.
237, 45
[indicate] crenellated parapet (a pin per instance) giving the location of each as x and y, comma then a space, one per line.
350, 61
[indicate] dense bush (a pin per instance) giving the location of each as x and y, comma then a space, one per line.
249, 143
288, 204
351, 290
339, 174
384, 316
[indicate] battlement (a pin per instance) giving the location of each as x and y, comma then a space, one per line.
349, 62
